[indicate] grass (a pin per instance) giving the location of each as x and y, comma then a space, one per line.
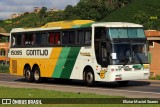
155, 78
4, 69
37, 93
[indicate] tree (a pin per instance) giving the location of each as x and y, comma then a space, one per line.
144, 19
87, 9
42, 12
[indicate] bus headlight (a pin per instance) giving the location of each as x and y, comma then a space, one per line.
146, 66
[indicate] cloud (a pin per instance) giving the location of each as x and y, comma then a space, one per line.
8, 7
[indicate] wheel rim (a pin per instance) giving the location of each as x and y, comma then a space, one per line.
89, 77
28, 74
36, 75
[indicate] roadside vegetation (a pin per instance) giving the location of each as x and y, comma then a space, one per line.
37, 93
155, 78
4, 68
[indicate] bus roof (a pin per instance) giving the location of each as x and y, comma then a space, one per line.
116, 24
76, 24
58, 25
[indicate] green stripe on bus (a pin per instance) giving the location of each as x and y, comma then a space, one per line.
61, 62
137, 66
71, 59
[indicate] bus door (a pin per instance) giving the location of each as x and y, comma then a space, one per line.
101, 51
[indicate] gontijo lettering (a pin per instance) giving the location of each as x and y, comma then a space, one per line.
37, 52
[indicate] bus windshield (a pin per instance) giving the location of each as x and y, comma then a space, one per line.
126, 33
127, 53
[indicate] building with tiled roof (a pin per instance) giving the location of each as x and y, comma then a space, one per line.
153, 37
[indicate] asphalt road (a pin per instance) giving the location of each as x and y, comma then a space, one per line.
135, 89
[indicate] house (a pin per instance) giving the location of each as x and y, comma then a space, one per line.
53, 10
15, 15
4, 48
37, 9
153, 38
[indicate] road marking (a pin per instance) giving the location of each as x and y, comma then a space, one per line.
154, 85
81, 87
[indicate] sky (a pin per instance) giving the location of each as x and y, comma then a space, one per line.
8, 7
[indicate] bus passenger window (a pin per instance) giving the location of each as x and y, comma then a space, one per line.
41, 39
72, 37
57, 38
44, 39
18, 40
28, 39
51, 38
65, 37
87, 37
13, 40
38, 39
80, 37
54, 38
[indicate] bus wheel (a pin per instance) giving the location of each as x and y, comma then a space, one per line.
89, 78
29, 74
122, 83
37, 76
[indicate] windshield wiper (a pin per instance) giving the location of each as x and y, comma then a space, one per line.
125, 63
139, 59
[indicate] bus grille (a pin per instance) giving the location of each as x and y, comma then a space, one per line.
14, 66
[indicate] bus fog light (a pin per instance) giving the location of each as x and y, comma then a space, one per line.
145, 74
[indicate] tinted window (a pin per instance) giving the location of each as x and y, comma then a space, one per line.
87, 37
80, 37
54, 38
29, 39
41, 38
65, 37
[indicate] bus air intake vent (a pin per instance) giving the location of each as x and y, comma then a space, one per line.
14, 66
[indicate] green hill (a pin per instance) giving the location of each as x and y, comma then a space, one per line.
146, 12
28, 20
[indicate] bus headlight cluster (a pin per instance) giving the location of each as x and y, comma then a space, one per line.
146, 67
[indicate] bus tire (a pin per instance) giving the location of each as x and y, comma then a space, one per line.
37, 76
122, 83
89, 78
29, 74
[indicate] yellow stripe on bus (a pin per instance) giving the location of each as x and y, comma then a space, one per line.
52, 62
46, 65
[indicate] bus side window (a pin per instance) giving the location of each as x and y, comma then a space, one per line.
51, 38
38, 39
41, 39
57, 38
54, 38
29, 39
65, 37
80, 37
18, 40
87, 37
13, 40
72, 37
44, 39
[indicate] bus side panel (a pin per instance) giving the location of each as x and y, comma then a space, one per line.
49, 64
61, 62
17, 66
66, 62
70, 62
84, 58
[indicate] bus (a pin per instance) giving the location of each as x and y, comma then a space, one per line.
4, 47
82, 50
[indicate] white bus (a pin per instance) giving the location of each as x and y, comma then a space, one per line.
81, 50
